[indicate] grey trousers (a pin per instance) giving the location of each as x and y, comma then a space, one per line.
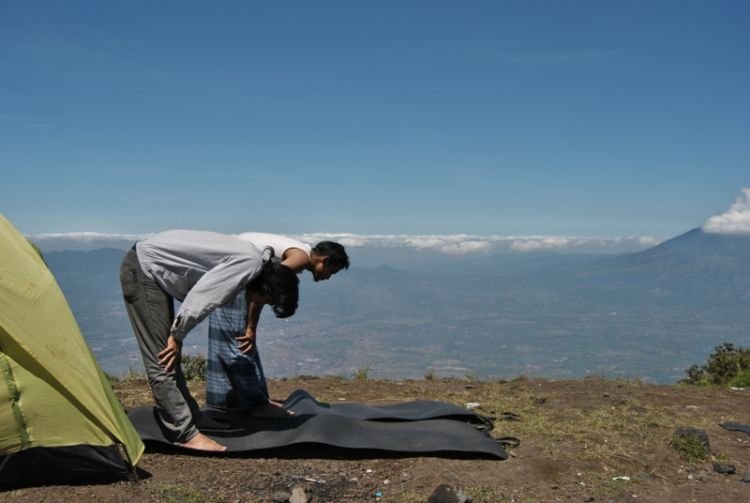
151, 312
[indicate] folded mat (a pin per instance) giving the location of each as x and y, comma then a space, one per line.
745, 428
302, 402
424, 427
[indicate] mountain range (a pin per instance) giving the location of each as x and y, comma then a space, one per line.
649, 314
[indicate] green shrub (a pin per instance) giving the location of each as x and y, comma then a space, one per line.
726, 366
690, 448
194, 367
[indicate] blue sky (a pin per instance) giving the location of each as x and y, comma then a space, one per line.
616, 118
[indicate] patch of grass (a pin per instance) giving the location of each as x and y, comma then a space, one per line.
131, 375
605, 487
603, 430
721, 458
172, 493
741, 380
194, 367
690, 448
483, 494
408, 497
478, 494
362, 373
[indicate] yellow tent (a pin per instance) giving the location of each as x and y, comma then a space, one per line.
58, 413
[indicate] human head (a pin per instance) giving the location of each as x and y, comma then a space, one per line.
328, 258
278, 286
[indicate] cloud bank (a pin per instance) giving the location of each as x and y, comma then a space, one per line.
87, 237
445, 244
464, 244
736, 220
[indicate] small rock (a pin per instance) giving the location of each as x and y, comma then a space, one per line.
447, 494
280, 497
298, 495
746, 477
702, 476
588, 499
540, 401
691, 407
643, 477
725, 468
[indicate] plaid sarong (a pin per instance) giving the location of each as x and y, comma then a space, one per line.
233, 380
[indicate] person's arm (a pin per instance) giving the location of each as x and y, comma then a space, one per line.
246, 342
214, 289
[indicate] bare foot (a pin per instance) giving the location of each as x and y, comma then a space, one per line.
201, 442
271, 409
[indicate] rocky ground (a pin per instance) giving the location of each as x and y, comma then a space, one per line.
591, 440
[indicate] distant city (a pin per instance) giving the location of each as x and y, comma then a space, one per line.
646, 315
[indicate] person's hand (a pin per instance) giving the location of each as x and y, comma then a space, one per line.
246, 343
169, 357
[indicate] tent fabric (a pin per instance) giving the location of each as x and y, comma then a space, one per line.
64, 465
359, 430
52, 391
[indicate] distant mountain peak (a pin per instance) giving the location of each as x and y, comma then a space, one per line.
699, 243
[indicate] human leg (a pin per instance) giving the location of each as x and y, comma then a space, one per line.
151, 313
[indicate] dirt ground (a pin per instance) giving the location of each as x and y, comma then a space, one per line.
591, 440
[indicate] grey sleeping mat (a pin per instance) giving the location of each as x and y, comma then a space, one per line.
356, 430
302, 402
744, 428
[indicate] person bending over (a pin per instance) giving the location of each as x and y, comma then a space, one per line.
203, 270
235, 378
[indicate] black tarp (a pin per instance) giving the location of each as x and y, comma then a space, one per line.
413, 428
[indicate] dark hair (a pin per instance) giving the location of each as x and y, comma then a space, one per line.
281, 284
335, 253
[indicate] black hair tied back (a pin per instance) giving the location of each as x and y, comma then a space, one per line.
283, 286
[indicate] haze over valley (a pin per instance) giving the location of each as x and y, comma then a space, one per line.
405, 313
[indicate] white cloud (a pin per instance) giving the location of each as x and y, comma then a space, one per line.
462, 244
736, 220
447, 244
649, 241
535, 243
89, 236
